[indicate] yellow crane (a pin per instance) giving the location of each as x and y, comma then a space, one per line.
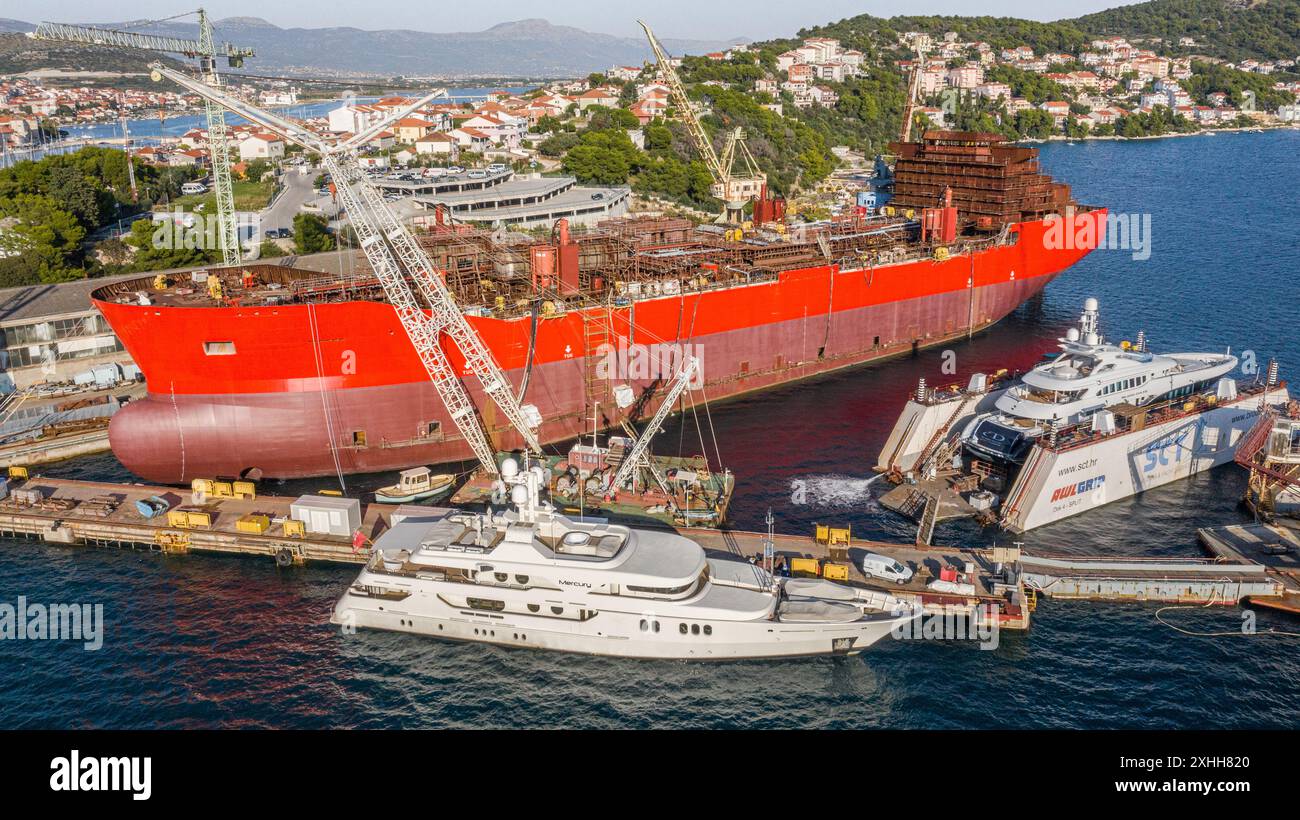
735, 189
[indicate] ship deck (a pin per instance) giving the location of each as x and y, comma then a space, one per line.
491, 276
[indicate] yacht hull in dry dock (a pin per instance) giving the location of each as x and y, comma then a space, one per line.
1062, 481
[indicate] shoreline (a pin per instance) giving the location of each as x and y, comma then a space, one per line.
1251, 129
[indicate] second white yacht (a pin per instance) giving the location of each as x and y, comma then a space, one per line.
1089, 375
532, 577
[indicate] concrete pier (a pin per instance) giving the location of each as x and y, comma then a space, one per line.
1276, 547
104, 514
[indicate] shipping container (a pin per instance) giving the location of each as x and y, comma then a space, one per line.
324, 515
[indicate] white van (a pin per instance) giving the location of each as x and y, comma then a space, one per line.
191, 188
878, 566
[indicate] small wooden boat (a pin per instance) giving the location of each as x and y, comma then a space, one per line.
416, 484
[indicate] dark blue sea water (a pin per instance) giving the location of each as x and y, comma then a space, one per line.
207, 641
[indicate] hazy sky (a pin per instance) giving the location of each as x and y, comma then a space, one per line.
714, 19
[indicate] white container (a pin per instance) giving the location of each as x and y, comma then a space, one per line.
327, 515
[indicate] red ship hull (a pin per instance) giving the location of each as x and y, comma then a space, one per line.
308, 390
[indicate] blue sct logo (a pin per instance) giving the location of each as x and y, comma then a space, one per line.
1158, 453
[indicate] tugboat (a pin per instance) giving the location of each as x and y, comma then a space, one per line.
416, 484
532, 577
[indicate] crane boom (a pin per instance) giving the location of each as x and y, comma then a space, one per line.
913, 87
113, 38
733, 190
395, 255
640, 449
678, 92
205, 50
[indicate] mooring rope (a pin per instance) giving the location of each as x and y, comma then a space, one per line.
1225, 634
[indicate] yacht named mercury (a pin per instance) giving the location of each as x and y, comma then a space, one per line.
532, 577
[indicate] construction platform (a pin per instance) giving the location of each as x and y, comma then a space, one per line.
96, 513
1275, 547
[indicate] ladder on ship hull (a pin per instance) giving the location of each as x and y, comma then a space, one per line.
597, 332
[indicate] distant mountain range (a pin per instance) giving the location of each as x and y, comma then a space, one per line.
524, 48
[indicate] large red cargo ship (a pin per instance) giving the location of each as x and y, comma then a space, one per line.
283, 372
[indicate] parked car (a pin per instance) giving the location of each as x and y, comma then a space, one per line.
878, 566
598, 195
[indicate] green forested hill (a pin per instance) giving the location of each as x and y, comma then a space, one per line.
1232, 29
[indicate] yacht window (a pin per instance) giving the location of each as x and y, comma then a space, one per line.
557, 610
534, 607
521, 580
708, 630
645, 626
695, 629
681, 628
486, 603
656, 626
500, 576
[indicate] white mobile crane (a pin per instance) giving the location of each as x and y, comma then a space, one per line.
396, 257
205, 50
734, 188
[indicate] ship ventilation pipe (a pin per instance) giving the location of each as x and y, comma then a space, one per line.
920, 390
1141, 341
1272, 373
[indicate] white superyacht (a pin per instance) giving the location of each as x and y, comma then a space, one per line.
532, 577
1089, 375
1097, 423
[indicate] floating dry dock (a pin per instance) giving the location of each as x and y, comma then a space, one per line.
1164, 580
1275, 547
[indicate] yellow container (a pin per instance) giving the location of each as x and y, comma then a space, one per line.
222, 489
199, 519
17, 473
245, 489
835, 572
805, 566
255, 524
202, 485
294, 528
178, 518
823, 533
839, 535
